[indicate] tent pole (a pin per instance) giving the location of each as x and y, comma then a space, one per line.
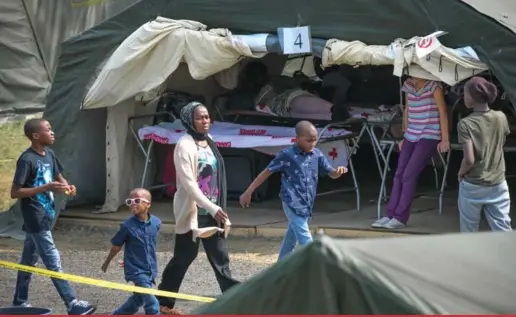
36, 39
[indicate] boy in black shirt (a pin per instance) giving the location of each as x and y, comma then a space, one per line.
37, 178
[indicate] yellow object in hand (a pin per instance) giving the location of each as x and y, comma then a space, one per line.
67, 193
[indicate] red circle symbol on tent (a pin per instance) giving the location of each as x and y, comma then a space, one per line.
424, 43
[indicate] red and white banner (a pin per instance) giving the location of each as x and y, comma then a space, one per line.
265, 139
426, 45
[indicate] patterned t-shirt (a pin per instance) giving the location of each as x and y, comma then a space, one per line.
423, 114
35, 170
207, 175
299, 176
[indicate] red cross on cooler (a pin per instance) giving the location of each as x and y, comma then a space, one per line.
333, 153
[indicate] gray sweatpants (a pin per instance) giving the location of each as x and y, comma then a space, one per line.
494, 200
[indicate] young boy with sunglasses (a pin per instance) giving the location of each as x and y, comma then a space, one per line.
139, 235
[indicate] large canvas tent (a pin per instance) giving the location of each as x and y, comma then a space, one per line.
214, 59
30, 44
82, 144
454, 274
32, 31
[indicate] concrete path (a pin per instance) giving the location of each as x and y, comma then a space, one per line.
336, 216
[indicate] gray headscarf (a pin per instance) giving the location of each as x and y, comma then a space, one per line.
187, 119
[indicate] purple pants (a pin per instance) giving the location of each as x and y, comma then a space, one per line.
413, 158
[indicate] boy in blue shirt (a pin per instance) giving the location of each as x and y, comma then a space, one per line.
300, 166
37, 178
138, 234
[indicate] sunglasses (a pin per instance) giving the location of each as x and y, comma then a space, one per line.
136, 201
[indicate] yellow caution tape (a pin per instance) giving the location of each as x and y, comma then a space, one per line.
101, 283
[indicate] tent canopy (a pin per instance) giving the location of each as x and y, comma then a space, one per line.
439, 274
82, 146
137, 65
32, 31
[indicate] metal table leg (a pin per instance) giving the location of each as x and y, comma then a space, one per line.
147, 152
443, 183
378, 154
362, 130
376, 143
376, 147
147, 162
352, 169
391, 145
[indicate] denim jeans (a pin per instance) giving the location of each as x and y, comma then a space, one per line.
494, 200
41, 244
134, 302
297, 232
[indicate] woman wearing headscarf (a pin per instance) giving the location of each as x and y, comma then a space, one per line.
199, 205
482, 171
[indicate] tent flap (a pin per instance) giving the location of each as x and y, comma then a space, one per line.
138, 64
442, 63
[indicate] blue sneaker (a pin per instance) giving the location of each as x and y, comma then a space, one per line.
81, 307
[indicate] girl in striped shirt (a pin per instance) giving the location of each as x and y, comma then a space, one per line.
425, 127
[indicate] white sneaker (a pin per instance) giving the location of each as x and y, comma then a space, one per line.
394, 224
380, 223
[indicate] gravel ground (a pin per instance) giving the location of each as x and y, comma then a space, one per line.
83, 255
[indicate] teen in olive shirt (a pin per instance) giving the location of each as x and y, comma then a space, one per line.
482, 172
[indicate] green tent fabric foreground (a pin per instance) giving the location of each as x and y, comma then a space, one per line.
439, 274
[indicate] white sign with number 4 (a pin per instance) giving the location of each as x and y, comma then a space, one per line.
296, 40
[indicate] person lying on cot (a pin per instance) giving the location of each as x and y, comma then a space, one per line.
300, 166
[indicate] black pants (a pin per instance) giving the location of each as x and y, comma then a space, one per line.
185, 252
335, 89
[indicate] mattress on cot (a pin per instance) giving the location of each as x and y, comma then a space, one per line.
265, 139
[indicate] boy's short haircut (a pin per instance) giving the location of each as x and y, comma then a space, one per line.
145, 191
32, 126
302, 127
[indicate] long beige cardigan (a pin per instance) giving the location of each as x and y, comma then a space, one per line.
188, 195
